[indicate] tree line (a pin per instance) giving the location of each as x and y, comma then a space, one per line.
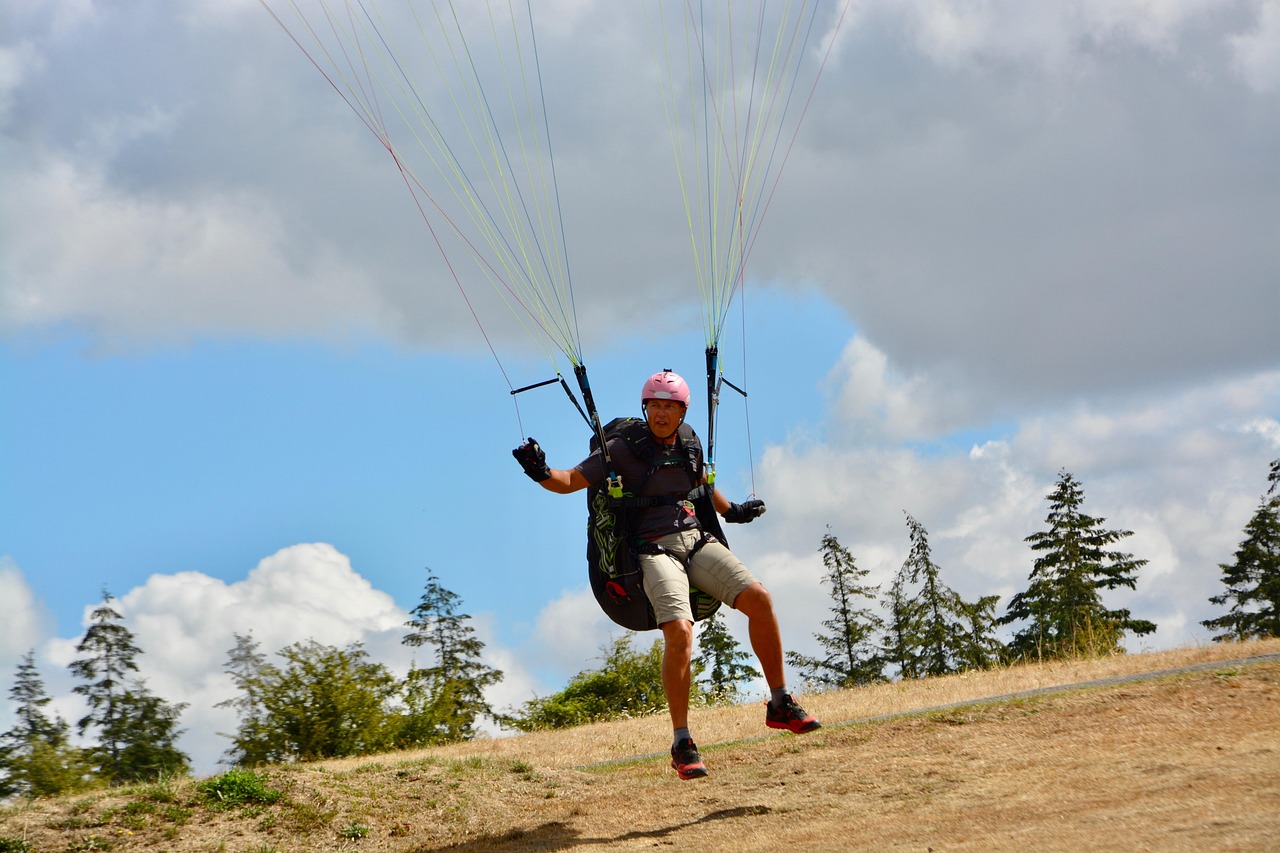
317, 701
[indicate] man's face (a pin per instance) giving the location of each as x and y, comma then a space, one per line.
664, 417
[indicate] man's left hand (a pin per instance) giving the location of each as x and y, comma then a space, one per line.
744, 512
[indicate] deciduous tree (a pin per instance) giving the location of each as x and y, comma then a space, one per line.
628, 685
324, 702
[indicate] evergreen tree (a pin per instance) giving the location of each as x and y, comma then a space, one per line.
628, 685
983, 649
900, 640
722, 660
852, 654
147, 732
1253, 580
1062, 603
325, 702
245, 666
936, 632
137, 732
36, 759
445, 700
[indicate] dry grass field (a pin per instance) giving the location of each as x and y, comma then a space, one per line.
989, 761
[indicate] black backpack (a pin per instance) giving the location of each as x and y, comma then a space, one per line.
611, 529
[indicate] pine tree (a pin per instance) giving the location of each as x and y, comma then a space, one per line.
722, 660
446, 700
245, 664
1253, 581
935, 631
137, 732
36, 759
1062, 603
983, 649
852, 654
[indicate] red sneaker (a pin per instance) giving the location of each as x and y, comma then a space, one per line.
686, 760
790, 716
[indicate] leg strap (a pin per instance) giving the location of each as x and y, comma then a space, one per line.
655, 548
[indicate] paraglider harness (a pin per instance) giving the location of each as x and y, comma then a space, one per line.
613, 514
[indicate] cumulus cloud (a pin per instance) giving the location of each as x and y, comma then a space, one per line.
570, 629
1183, 471
186, 623
24, 622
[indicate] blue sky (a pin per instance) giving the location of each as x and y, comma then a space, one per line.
209, 456
239, 390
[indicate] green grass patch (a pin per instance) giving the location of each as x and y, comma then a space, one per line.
237, 788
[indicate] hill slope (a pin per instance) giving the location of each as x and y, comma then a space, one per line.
1188, 761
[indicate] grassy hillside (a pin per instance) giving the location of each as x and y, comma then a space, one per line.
1188, 761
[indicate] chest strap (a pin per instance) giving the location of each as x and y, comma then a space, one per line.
661, 500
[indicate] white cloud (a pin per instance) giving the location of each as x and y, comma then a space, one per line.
24, 622
1053, 37
1257, 52
570, 629
185, 624
966, 203
128, 265
1182, 470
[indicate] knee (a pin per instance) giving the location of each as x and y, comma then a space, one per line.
678, 635
754, 600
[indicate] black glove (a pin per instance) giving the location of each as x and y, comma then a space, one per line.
744, 512
532, 460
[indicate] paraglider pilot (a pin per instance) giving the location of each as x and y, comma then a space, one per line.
675, 554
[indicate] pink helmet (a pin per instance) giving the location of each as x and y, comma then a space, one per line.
665, 386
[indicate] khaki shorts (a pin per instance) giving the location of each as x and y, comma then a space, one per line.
714, 570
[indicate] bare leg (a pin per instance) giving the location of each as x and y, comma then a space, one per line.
677, 651
762, 627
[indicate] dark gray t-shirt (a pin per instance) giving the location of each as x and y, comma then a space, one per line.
672, 478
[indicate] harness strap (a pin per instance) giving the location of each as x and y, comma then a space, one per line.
661, 500
655, 548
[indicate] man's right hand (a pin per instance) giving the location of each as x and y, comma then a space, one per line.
533, 460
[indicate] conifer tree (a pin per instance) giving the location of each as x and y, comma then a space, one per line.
935, 631
245, 664
722, 660
1253, 581
853, 656
36, 759
445, 700
1062, 604
137, 732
